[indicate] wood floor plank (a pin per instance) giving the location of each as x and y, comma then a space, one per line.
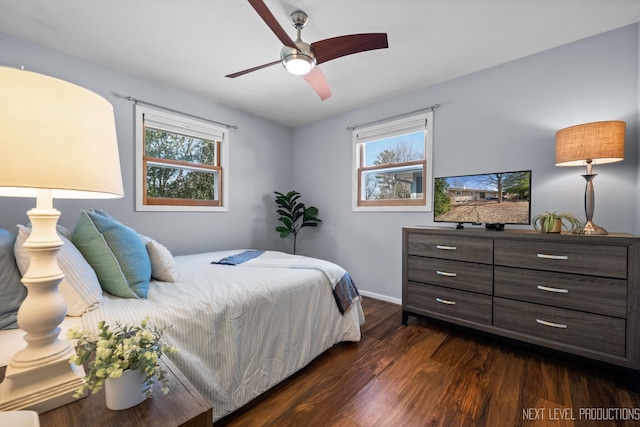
504, 408
429, 373
324, 370
422, 398
382, 394
548, 380
407, 339
472, 361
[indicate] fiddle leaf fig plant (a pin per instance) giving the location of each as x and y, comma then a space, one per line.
294, 215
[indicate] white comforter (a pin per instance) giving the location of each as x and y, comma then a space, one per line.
239, 330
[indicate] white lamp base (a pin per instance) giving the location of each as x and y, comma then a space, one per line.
41, 388
40, 377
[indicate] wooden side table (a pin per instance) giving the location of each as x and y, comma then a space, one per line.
182, 406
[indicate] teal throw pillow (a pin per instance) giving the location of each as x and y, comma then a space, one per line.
115, 252
12, 291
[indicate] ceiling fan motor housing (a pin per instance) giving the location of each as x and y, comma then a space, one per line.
298, 61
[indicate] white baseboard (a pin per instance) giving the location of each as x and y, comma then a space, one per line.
381, 297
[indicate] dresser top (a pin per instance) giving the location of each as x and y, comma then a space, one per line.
611, 238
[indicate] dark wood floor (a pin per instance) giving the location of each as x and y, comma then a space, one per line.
430, 374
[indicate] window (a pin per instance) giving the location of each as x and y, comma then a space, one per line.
392, 165
181, 163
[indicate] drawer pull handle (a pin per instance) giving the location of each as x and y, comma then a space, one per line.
444, 273
445, 301
446, 248
557, 290
553, 325
546, 256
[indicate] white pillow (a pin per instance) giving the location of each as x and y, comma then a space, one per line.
163, 266
79, 287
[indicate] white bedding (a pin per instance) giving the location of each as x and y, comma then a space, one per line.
240, 330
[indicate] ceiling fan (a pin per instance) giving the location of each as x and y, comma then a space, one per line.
302, 59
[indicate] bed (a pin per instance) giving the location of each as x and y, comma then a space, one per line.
240, 329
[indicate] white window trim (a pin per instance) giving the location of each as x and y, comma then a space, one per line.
383, 130
177, 123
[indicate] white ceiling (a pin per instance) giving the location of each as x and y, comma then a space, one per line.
192, 44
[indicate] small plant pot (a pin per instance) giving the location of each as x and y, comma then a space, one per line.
552, 222
557, 226
127, 391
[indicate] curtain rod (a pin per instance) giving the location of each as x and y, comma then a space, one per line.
138, 101
433, 107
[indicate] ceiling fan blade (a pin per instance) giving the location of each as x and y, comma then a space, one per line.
259, 67
336, 47
318, 82
271, 21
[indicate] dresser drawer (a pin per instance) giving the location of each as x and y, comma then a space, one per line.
596, 260
451, 247
451, 274
449, 302
598, 295
590, 331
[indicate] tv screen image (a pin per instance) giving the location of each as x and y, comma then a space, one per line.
490, 198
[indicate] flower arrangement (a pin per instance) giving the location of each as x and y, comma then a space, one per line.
113, 349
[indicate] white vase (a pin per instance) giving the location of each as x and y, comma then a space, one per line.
126, 391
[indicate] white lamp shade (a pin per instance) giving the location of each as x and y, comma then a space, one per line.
58, 136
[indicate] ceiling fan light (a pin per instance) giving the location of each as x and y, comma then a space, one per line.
298, 61
299, 65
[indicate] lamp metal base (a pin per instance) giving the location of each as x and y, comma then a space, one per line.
592, 229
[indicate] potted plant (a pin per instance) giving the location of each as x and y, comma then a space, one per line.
552, 222
120, 352
294, 215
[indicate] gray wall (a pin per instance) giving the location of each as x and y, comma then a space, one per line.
503, 118
637, 217
260, 159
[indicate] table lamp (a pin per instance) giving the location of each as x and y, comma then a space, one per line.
57, 140
589, 144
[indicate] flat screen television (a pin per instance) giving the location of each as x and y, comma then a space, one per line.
494, 199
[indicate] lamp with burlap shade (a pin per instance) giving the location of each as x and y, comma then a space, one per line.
599, 142
589, 144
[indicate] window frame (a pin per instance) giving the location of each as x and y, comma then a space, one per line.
183, 125
360, 136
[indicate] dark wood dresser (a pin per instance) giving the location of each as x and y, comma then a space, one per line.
572, 293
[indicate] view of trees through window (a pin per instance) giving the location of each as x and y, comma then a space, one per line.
393, 168
392, 165
180, 166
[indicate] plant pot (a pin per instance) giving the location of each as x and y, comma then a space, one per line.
126, 391
557, 226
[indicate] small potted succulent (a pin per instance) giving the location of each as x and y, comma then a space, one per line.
116, 353
553, 222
